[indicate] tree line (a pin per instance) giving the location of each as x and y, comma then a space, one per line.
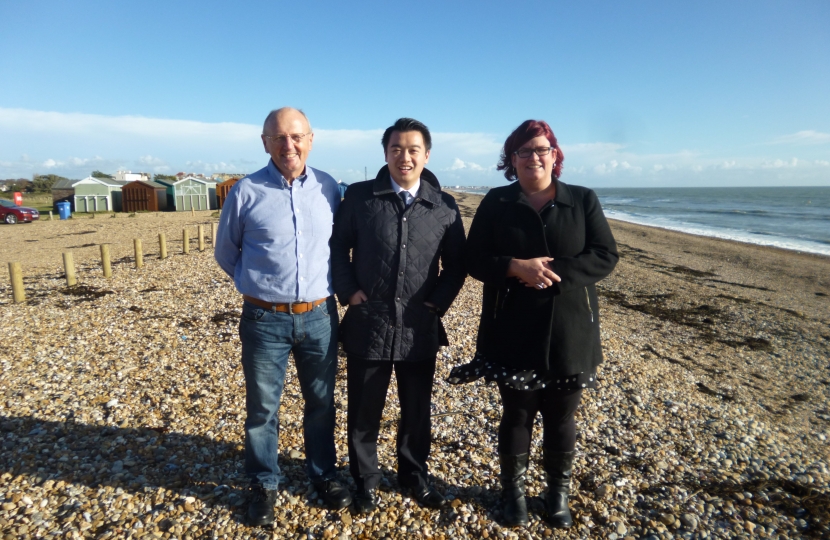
42, 183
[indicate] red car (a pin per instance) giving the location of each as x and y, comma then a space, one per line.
11, 213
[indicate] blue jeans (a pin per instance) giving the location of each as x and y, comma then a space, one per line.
267, 338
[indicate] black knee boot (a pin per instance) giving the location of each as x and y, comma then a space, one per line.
558, 467
513, 469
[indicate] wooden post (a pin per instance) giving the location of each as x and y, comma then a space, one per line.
213, 227
201, 237
50, 215
185, 241
18, 293
139, 253
69, 268
162, 245
105, 260
192, 211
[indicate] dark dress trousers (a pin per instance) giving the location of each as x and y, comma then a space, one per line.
401, 257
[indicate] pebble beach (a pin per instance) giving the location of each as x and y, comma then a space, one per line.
122, 406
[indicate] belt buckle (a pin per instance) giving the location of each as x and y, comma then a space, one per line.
290, 308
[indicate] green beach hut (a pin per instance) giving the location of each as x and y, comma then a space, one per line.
98, 195
190, 193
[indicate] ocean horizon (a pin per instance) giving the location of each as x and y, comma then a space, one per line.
794, 218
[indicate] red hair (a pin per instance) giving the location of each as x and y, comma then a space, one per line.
529, 129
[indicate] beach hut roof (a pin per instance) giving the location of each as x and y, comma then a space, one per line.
149, 183
65, 183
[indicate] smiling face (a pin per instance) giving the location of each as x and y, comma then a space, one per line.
535, 171
406, 155
289, 156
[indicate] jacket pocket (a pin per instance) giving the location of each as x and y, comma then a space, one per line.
362, 326
588, 300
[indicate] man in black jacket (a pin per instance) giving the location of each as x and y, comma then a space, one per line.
398, 228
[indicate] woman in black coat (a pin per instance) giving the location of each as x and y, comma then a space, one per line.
539, 246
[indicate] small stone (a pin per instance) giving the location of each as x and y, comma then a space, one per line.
111, 403
667, 519
604, 490
689, 521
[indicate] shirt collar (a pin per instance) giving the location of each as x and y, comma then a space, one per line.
412, 191
277, 176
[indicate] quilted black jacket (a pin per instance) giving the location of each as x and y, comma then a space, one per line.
556, 330
395, 253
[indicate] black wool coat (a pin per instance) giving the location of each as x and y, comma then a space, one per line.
395, 255
554, 330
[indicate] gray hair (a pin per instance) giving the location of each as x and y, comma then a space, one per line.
272, 116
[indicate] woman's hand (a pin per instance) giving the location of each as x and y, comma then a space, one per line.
535, 273
358, 298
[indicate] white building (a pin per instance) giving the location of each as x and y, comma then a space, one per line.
128, 176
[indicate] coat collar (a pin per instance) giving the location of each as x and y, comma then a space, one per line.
513, 194
430, 188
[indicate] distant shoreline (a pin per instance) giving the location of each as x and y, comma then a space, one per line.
468, 202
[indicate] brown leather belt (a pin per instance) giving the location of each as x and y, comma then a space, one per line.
299, 307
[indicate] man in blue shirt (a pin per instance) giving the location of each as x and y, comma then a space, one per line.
273, 240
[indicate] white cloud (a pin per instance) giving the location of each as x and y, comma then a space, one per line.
80, 124
150, 160
73, 144
459, 164
779, 164
804, 137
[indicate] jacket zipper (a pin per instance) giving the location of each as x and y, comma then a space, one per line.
588, 299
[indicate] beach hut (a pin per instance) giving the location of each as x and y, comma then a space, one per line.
97, 195
63, 191
144, 196
190, 193
223, 188
342, 186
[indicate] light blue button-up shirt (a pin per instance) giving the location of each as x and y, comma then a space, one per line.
273, 237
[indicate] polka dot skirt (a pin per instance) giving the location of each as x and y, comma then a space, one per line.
518, 379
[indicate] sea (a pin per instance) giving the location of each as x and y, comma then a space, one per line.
794, 218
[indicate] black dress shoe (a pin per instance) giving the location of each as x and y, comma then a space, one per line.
428, 497
334, 495
261, 506
365, 500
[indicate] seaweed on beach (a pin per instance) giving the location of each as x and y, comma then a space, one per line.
756, 344
691, 271
85, 293
695, 316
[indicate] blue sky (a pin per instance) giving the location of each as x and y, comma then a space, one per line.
638, 93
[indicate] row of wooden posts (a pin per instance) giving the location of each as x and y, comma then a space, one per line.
16, 271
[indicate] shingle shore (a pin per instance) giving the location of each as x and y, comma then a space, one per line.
123, 402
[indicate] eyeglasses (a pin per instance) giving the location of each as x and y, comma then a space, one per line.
280, 139
540, 151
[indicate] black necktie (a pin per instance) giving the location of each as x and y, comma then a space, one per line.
404, 195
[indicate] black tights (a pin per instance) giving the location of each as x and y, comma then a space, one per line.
520, 407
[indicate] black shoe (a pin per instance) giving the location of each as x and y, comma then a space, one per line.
334, 495
559, 467
513, 470
365, 501
428, 497
261, 506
